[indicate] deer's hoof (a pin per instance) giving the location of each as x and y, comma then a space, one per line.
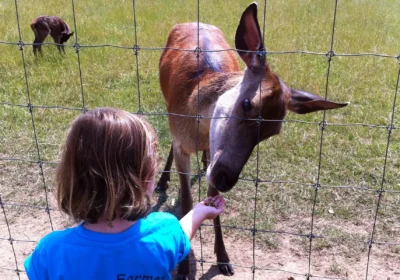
226, 269
182, 277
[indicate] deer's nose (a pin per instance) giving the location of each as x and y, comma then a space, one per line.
224, 180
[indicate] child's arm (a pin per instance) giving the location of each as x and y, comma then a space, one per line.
200, 212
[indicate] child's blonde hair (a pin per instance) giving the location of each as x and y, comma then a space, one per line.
107, 165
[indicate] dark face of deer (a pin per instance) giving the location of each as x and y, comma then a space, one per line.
65, 37
236, 127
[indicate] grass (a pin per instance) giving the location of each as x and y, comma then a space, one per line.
352, 155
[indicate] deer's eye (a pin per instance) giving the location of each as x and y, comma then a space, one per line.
246, 104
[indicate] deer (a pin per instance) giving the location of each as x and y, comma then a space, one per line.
209, 83
54, 26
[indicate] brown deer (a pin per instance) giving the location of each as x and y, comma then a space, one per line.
230, 102
55, 26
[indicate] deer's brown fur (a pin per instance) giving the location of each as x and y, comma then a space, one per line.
54, 26
208, 82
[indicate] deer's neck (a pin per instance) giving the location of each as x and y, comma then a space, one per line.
212, 86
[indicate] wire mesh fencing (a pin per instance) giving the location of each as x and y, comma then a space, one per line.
255, 228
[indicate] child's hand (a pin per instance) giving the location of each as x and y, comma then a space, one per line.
201, 211
211, 207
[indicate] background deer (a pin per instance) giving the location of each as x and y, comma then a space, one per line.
230, 97
55, 26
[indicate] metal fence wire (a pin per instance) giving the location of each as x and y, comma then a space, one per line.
254, 230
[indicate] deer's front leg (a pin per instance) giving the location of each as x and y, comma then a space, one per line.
205, 159
182, 162
219, 247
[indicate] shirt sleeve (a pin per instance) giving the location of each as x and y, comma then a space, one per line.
34, 267
184, 243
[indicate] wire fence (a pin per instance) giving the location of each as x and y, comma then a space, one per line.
254, 229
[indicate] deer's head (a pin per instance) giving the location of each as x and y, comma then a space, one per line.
236, 127
65, 36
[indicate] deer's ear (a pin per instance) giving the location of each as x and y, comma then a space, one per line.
248, 38
301, 102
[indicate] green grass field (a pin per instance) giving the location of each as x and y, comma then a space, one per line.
354, 142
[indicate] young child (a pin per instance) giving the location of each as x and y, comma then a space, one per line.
105, 181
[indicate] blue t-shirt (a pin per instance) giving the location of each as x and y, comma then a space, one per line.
149, 250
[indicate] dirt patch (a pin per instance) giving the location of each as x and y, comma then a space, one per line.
342, 254
290, 259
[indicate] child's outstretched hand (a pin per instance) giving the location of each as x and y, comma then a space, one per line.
211, 207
